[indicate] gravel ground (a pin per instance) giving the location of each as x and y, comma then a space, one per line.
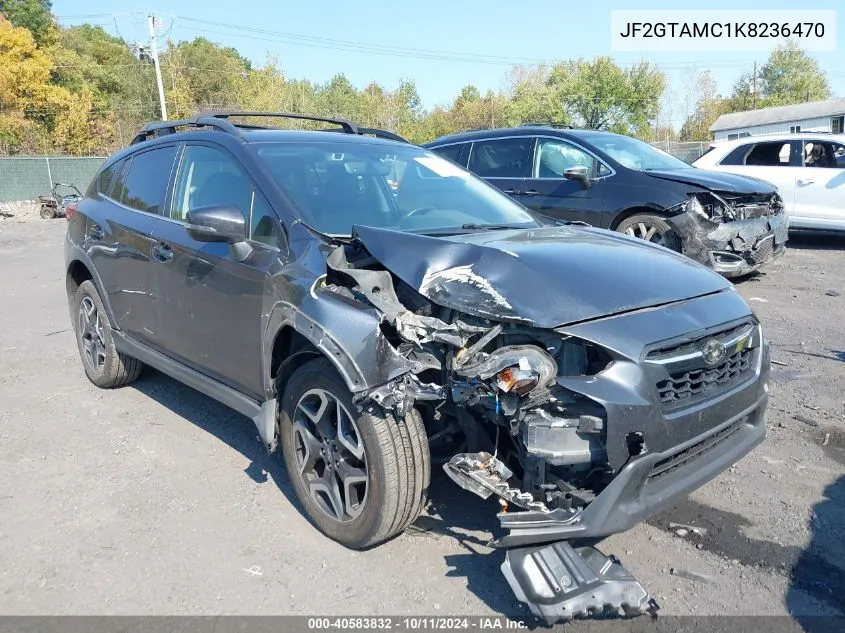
155, 499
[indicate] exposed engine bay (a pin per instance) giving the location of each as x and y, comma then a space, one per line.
489, 389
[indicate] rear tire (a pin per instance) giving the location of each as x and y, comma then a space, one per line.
48, 212
103, 364
387, 460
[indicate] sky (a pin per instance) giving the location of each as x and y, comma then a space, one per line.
440, 45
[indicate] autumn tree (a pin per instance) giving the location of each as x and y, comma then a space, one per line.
33, 15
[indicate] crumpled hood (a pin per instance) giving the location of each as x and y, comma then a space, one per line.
543, 276
714, 180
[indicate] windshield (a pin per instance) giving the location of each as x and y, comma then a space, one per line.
336, 185
634, 154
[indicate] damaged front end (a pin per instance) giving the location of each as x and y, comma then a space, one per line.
734, 234
580, 430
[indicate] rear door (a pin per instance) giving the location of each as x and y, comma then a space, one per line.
820, 185
547, 192
504, 162
131, 197
209, 298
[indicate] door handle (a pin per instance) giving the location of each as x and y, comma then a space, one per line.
510, 192
531, 192
805, 181
96, 233
162, 252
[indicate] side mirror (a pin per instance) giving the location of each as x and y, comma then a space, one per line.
224, 223
578, 173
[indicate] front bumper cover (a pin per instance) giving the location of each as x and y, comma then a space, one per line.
731, 248
645, 486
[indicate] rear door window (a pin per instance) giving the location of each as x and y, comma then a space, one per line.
771, 154
502, 158
455, 153
144, 185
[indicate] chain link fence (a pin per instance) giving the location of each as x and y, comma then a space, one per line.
27, 177
687, 151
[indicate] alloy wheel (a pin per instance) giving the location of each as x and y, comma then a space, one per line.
91, 335
645, 231
329, 454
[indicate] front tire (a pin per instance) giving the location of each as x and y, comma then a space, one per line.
103, 364
651, 228
361, 478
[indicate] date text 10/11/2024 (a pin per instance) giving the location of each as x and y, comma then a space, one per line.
414, 623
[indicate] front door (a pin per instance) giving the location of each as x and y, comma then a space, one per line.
548, 193
210, 297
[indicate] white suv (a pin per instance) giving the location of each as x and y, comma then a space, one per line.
808, 169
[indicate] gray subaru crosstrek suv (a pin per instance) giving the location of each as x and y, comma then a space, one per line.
376, 309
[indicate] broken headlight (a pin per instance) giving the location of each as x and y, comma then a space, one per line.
519, 380
577, 357
694, 206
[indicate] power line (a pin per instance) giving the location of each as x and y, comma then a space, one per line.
267, 35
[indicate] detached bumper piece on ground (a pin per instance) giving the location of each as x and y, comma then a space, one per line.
560, 582
557, 581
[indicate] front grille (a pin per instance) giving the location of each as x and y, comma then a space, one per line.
695, 384
685, 347
764, 250
665, 466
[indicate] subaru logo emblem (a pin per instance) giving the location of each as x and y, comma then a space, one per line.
713, 352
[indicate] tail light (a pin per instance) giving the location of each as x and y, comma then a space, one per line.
70, 211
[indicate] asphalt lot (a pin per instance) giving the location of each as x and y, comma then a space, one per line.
155, 499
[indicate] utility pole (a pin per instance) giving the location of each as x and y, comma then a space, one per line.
754, 88
152, 23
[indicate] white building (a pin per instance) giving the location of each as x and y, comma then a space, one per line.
816, 116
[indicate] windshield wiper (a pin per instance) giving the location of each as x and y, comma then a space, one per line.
470, 226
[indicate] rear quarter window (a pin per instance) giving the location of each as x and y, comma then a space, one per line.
144, 184
103, 182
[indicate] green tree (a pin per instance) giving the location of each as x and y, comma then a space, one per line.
529, 98
791, 76
598, 94
202, 75
33, 15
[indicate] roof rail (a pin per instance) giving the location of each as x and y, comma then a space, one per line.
220, 121
160, 128
348, 126
391, 136
564, 126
